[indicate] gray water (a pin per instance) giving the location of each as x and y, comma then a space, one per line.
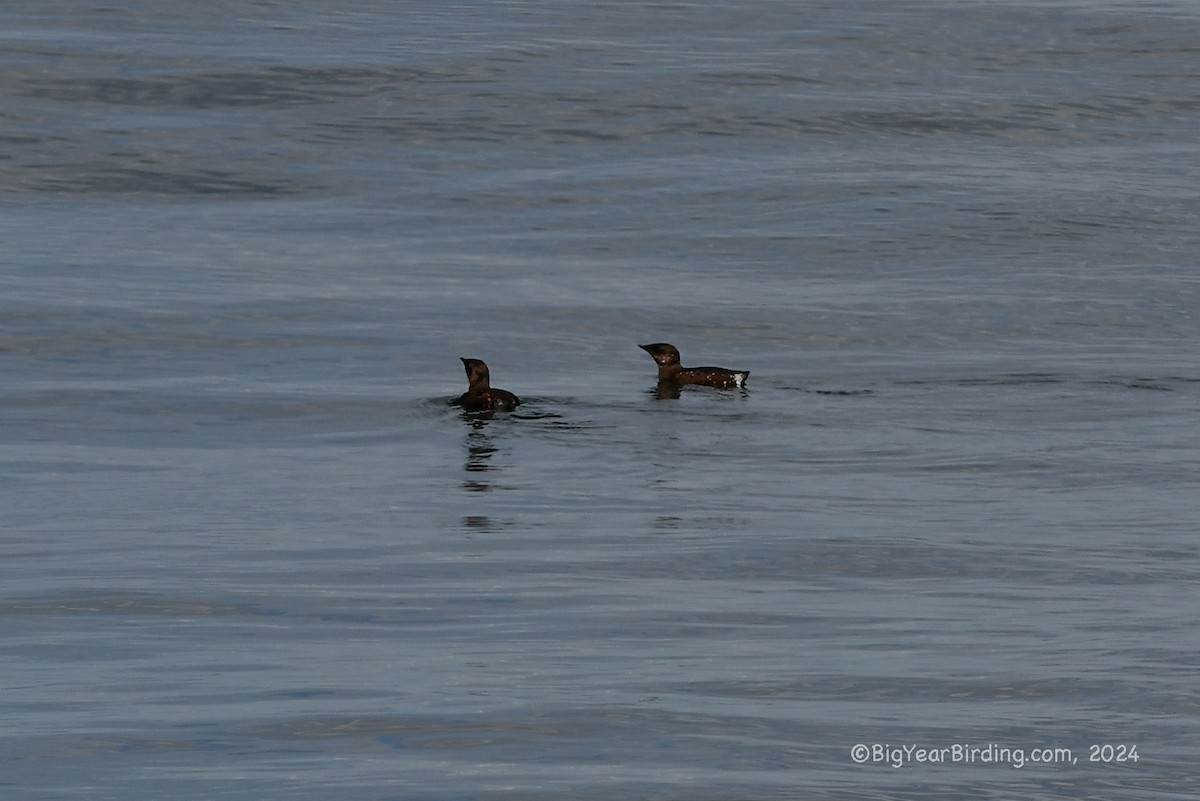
249, 550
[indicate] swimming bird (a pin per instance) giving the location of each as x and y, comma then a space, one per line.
672, 373
481, 396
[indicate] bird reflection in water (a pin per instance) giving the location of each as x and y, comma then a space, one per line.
479, 454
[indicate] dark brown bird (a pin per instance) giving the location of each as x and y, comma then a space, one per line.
481, 396
672, 373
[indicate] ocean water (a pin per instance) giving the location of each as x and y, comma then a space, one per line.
943, 546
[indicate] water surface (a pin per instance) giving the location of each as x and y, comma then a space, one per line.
250, 550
